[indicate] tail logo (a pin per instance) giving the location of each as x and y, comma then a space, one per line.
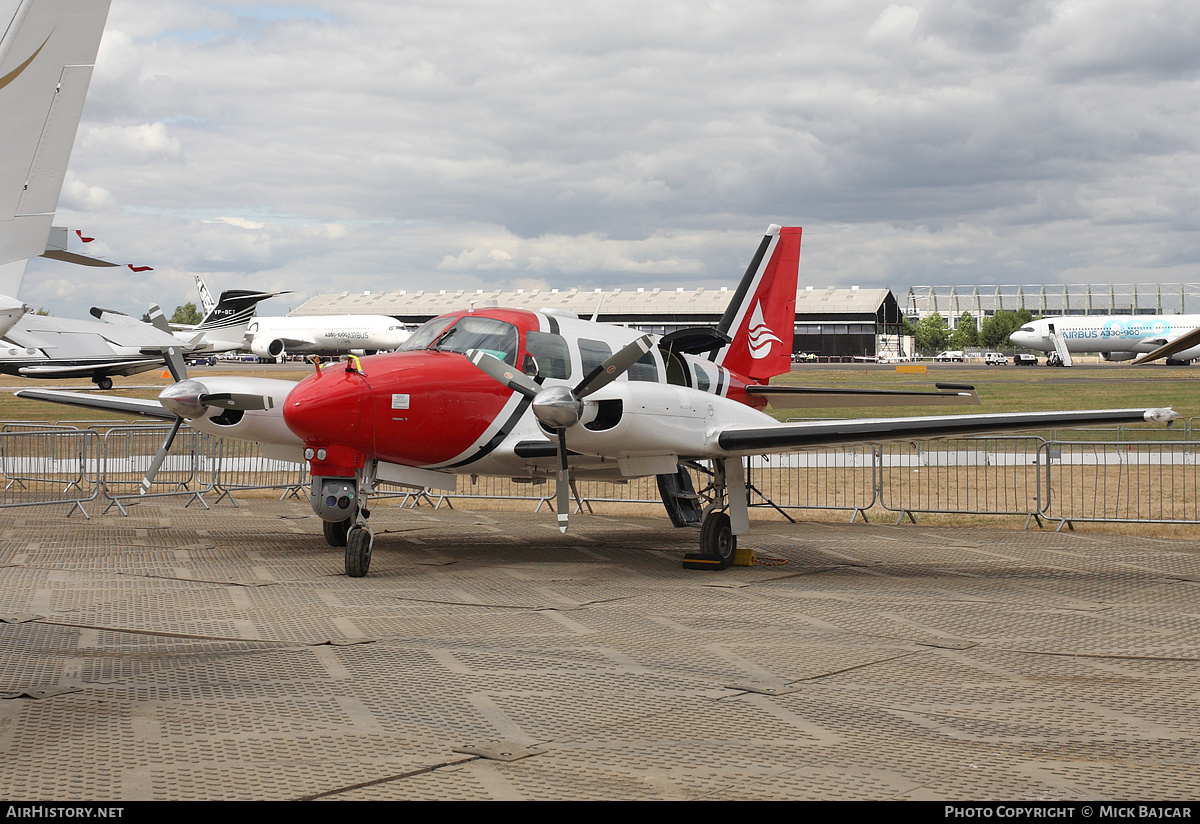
761, 336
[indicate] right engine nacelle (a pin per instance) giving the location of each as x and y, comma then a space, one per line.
267, 348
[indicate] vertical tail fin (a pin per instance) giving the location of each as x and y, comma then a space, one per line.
761, 317
46, 60
226, 324
207, 304
236, 307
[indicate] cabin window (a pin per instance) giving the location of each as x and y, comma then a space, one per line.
592, 353
551, 353
702, 381
646, 369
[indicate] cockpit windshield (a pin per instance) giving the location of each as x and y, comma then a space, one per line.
468, 332
424, 336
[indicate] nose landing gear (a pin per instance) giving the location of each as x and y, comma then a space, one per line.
332, 500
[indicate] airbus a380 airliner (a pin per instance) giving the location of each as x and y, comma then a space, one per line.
1115, 337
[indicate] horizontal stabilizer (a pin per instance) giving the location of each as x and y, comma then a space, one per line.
804, 397
76, 258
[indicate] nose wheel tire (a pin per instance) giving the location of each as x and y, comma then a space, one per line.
358, 551
336, 531
717, 538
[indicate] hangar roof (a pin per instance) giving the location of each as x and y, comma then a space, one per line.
616, 304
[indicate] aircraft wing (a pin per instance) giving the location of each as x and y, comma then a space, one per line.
1180, 343
105, 403
117, 318
87, 370
804, 397
291, 342
744, 440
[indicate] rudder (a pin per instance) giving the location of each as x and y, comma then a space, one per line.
761, 317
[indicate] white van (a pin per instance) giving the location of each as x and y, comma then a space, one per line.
951, 355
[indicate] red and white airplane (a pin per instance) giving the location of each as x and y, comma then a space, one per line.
530, 395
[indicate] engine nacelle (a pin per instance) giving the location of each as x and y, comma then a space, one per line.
265, 427
1117, 357
631, 419
267, 348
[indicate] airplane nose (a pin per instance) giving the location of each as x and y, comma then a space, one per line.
329, 408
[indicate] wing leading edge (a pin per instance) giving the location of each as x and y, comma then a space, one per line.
753, 440
105, 403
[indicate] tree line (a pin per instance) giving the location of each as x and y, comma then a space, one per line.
932, 334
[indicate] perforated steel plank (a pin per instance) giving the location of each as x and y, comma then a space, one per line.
186, 653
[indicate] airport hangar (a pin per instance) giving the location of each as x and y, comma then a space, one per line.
830, 322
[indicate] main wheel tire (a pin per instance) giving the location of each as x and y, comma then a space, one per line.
358, 551
336, 531
105, 383
717, 538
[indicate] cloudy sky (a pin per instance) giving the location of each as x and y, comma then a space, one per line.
361, 145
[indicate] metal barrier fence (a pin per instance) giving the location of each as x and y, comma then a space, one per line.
240, 465
1080, 477
976, 476
126, 453
1150, 482
48, 466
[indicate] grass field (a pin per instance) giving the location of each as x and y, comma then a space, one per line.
1017, 389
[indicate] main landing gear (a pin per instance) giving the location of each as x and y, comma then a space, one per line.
717, 539
102, 381
725, 516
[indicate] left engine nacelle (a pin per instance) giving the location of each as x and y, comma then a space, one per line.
334, 499
267, 348
1117, 357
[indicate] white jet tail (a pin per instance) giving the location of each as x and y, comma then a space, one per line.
46, 60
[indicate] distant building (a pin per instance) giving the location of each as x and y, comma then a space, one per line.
1043, 300
829, 322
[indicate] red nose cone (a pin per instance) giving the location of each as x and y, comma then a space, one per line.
330, 408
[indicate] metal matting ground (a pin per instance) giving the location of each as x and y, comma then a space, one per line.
190, 654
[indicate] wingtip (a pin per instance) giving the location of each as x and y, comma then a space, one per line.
1162, 415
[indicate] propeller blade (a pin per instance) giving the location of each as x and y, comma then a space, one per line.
510, 376
175, 363
160, 457
563, 486
614, 367
237, 400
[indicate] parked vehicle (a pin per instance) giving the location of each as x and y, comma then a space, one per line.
994, 359
955, 355
1025, 360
